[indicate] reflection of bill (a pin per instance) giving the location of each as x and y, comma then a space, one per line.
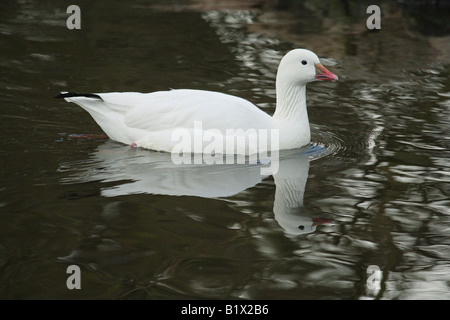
234, 146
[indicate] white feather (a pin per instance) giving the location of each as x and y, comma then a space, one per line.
149, 120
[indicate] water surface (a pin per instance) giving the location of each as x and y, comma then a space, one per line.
371, 189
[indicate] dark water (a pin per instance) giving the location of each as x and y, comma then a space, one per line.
371, 190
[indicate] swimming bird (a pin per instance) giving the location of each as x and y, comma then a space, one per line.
150, 120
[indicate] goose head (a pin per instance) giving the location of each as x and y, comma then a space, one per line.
300, 66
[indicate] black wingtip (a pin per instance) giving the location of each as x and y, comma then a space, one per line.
74, 94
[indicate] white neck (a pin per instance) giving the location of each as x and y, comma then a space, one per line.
291, 115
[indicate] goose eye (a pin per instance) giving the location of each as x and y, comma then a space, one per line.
301, 227
304, 62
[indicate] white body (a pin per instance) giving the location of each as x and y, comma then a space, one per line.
149, 120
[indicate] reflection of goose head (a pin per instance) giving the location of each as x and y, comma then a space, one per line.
288, 207
144, 171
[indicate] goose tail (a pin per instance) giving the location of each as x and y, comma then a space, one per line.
65, 94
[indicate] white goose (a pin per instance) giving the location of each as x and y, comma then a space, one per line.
149, 120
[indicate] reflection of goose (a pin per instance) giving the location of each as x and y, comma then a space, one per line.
143, 171
288, 208
150, 120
